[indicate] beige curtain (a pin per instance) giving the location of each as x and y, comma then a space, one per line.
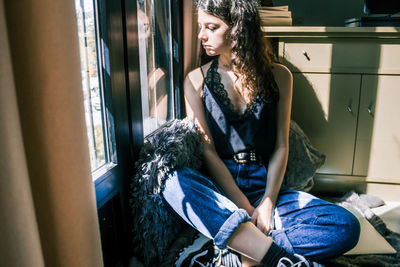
191, 45
47, 204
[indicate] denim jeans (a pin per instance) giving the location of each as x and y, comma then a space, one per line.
304, 224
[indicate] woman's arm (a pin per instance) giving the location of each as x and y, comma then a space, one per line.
213, 163
263, 214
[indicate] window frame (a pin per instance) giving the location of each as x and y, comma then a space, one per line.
116, 26
114, 90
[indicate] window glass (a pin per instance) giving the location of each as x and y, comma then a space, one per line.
155, 63
91, 84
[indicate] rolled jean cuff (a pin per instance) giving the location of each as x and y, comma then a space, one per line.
229, 226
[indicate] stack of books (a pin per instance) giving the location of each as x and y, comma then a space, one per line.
275, 16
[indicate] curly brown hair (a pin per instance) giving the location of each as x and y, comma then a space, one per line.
251, 56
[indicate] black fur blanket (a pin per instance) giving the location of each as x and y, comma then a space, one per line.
154, 227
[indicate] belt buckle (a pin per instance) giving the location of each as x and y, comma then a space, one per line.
245, 157
237, 160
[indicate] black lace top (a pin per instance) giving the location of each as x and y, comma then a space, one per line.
255, 129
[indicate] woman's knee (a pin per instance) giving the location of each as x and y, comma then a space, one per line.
351, 230
186, 178
185, 183
345, 231
176, 182
173, 184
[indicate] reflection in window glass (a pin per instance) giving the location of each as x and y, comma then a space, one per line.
155, 63
93, 99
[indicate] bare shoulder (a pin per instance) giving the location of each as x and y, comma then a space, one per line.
281, 72
195, 78
283, 77
205, 67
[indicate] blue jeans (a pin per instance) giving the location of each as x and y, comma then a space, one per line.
304, 224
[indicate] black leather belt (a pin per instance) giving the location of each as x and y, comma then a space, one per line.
246, 157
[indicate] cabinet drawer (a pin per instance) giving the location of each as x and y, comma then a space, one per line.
343, 56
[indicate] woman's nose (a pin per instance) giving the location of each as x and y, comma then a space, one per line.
202, 36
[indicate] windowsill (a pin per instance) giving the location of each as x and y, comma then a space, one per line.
98, 173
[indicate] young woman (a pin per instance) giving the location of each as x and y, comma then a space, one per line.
241, 102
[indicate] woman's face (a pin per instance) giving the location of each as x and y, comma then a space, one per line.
213, 33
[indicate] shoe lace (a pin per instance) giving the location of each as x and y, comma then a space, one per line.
194, 260
284, 261
219, 259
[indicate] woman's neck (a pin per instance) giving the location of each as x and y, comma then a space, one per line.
226, 61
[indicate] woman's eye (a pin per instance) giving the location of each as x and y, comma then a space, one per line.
212, 28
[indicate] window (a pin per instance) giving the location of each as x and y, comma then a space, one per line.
155, 52
100, 140
131, 81
101, 29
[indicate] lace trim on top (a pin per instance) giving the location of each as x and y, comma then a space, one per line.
213, 81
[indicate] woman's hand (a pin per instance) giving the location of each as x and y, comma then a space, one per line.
263, 215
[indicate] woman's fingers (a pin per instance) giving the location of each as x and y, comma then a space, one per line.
263, 225
264, 228
254, 218
260, 223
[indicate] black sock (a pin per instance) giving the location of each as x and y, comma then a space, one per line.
275, 253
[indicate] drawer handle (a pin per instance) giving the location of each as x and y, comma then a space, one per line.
369, 110
349, 109
306, 55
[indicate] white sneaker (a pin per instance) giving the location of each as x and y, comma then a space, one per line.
200, 253
203, 253
303, 262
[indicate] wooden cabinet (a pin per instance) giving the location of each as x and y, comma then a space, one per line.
346, 98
